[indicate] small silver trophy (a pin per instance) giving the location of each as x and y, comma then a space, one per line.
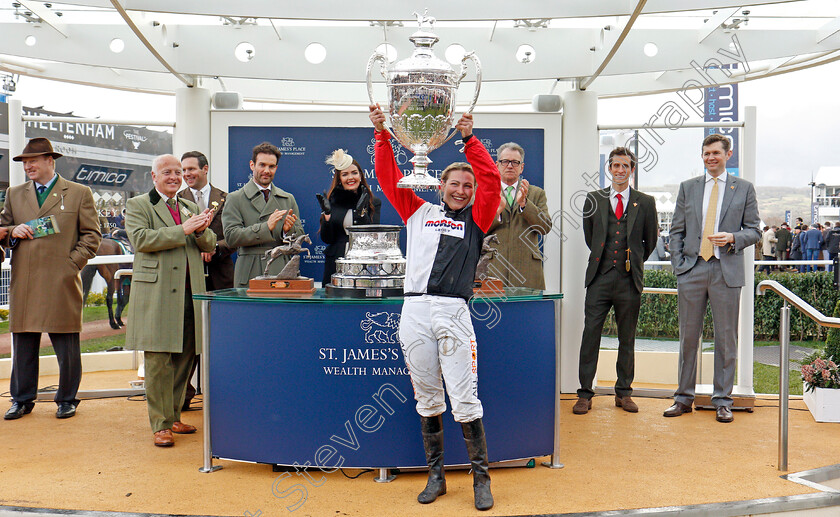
421, 99
373, 266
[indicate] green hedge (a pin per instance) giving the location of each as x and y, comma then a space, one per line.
659, 316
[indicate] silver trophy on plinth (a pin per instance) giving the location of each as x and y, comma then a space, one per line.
373, 266
421, 99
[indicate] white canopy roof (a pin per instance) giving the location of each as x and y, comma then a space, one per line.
614, 47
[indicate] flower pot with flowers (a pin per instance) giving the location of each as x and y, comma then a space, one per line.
821, 387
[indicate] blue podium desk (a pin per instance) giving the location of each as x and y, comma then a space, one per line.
322, 382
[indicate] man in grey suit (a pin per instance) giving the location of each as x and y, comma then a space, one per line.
258, 216
716, 217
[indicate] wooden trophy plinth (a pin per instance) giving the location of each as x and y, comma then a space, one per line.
489, 286
300, 287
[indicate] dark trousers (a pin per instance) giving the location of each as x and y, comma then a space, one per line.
191, 390
766, 267
24, 382
611, 289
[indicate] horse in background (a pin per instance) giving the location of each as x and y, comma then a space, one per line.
110, 246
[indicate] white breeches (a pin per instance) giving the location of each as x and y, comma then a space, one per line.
437, 338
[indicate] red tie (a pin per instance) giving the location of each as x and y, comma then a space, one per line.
619, 207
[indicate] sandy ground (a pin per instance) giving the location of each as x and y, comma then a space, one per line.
103, 459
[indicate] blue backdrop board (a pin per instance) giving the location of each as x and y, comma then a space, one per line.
303, 173
324, 382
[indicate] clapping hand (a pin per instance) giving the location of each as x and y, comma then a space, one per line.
324, 202
198, 222
289, 222
275, 217
522, 193
362, 204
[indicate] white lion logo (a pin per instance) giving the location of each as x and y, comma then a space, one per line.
399, 152
381, 327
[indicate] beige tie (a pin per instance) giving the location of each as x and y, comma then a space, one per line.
707, 250
199, 200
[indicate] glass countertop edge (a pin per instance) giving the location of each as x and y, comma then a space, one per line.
319, 297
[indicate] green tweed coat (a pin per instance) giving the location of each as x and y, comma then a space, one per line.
156, 311
245, 222
519, 234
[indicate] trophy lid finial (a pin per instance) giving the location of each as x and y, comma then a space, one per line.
425, 19
424, 37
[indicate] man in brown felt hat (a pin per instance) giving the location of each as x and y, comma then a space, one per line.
45, 292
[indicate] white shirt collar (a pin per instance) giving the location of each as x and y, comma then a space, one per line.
260, 187
205, 192
625, 194
722, 177
47, 184
163, 196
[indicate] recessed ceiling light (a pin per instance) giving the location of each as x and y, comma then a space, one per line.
245, 52
315, 53
455, 53
525, 54
117, 45
387, 50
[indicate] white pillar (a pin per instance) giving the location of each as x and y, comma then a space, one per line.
746, 325
192, 122
17, 141
580, 175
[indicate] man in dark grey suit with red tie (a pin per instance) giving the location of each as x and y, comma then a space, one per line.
716, 217
619, 225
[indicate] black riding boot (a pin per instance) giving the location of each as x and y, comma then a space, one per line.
433, 443
477, 451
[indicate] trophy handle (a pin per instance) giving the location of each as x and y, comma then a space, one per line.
469, 56
377, 56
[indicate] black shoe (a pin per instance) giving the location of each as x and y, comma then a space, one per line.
65, 410
18, 410
724, 414
432, 428
477, 451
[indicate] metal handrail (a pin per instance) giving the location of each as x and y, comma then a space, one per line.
784, 352
796, 301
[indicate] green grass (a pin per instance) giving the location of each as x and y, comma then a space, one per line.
766, 380
93, 313
805, 344
89, 345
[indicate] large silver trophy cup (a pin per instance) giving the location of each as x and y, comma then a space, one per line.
421, 100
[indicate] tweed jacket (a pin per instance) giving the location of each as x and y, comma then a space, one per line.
519, 260
45, 292
245, 221
162, 254
220, 267
641, 219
